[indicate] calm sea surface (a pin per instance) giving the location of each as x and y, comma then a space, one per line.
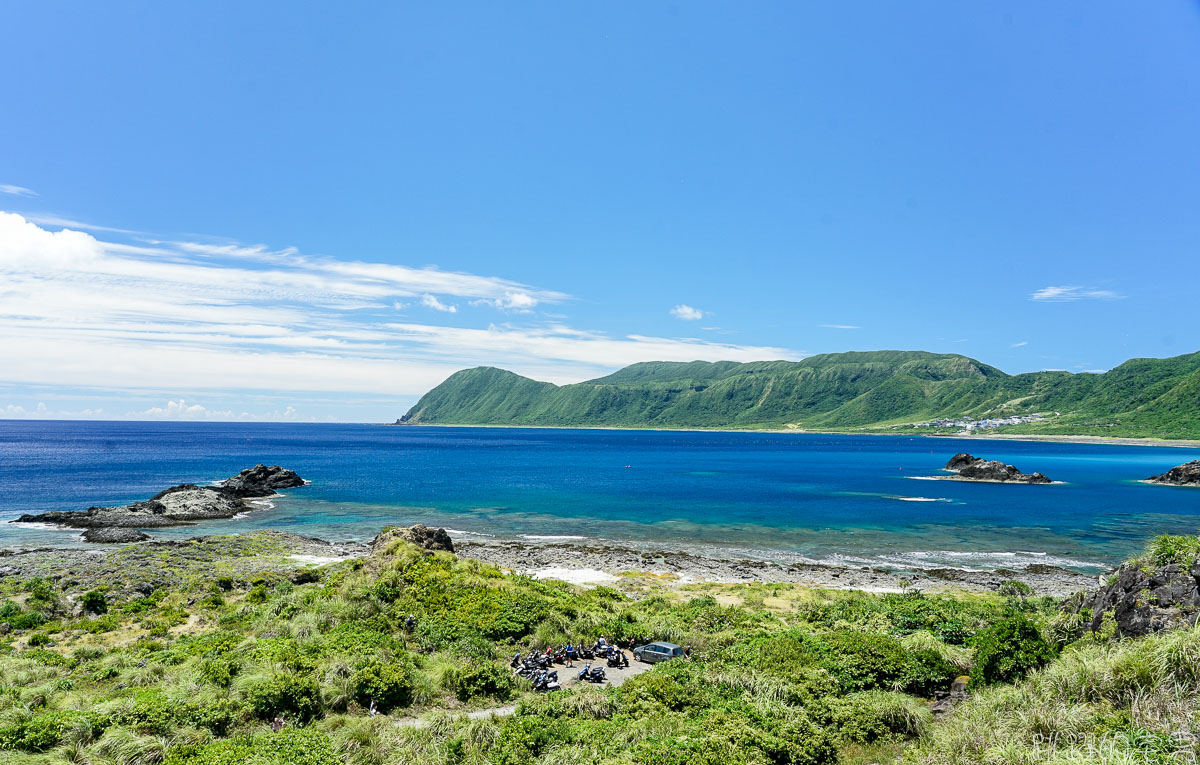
785, 497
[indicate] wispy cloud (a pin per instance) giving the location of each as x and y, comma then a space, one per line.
1072, 294
687, 313
17, 191
185, 320
59, 221
431, 301
1020, 344
840, 326
516, 302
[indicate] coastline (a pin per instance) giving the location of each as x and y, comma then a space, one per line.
582, 563
1179, 443
607, 563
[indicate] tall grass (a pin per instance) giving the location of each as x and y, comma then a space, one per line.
1112, 704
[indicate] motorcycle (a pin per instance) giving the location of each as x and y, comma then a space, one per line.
547, 682
592, 674
617, 659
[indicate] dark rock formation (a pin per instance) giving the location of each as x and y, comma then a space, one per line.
946, 701
178, 505
419, 534
262, 481
1142, 602
114, 535
1187, 474
978, 469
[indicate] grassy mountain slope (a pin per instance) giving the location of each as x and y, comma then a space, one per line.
842, 391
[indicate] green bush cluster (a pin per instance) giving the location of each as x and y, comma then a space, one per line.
480, 679
388, 683
286, 747
1009, 649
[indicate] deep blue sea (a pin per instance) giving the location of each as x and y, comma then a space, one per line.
787, 497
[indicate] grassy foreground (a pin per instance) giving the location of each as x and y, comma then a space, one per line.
192, 673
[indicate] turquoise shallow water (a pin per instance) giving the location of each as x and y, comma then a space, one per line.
779, 496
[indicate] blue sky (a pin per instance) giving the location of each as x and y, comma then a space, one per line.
230, 210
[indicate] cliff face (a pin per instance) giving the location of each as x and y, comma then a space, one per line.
1143, 601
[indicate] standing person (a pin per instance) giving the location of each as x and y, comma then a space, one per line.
276, 724
687, 651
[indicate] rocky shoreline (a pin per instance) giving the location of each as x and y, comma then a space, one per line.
141, 565
177, 506
602, 562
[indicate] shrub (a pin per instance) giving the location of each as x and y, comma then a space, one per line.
225, 583
1014, 588
1167, 549
475, 679
257, 594
39, 639
389, 684
1007, 650
47, 730
296, 695
94, 602
290, 746
218, 670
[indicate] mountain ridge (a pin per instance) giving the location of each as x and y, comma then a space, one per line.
859, 391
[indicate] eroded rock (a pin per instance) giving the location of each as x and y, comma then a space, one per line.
262, 481
1187, 474
972, 468
418, 534
1141, 602
114, 535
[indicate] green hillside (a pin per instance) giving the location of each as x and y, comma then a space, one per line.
862, 391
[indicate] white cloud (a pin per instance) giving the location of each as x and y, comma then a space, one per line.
1072, 294
43, 412
516, 302
1020, 344
687, 313
181, 410
840, 326
175, 319
431, 301
18, 191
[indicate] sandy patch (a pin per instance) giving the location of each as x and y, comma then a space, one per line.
573, 575
319, 560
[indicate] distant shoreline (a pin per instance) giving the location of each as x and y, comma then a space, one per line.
1179, 443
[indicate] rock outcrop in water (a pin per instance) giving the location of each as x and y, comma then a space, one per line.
1187, 474
972, 468
262, 481
176, 506
1141, 602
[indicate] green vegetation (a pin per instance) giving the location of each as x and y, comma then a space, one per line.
780, 674
876, 391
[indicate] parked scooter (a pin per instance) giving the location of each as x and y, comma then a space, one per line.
592, 674
547, 681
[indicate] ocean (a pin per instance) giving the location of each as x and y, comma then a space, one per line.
785, 497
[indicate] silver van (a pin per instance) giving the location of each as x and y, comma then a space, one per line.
656, 652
